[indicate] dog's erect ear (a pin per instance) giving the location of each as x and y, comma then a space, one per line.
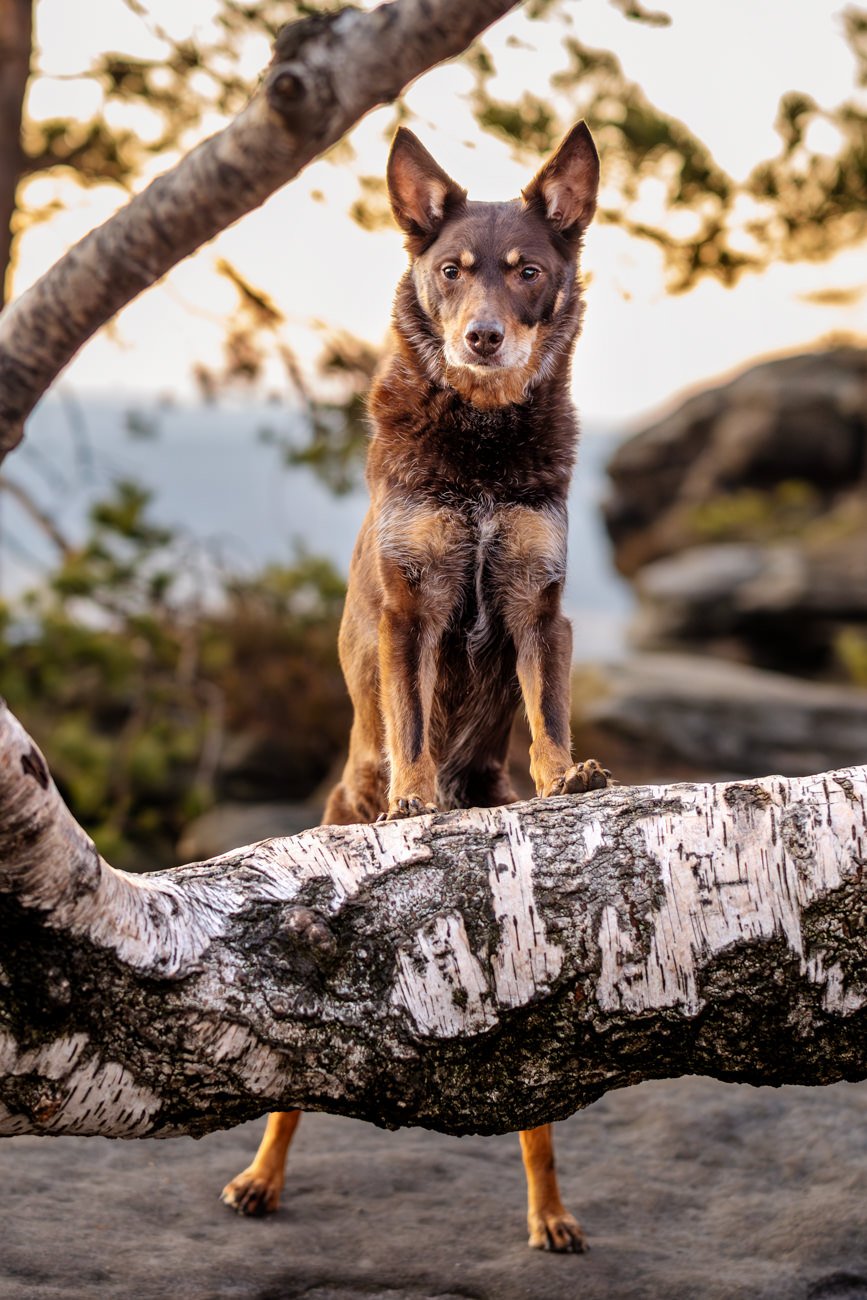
421, 193
565, 187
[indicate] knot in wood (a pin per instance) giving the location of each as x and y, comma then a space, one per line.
33, 764
309, 929
286, 89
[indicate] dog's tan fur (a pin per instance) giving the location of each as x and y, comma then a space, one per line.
453, 608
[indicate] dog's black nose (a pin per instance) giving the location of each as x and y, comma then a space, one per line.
484, 337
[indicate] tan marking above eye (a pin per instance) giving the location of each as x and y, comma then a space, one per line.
513, 257
466, 259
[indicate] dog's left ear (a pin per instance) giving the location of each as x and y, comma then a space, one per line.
421, 193
565, 187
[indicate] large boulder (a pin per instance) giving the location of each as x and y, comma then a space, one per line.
796, 420
782, 605
742, 516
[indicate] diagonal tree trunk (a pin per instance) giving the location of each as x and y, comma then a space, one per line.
16, 34
479, 971
326, 73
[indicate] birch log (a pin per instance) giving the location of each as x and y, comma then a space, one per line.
327, 72
476, 971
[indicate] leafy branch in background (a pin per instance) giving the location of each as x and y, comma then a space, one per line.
803, 204
192, 81
812, 202
328, 423
159, 684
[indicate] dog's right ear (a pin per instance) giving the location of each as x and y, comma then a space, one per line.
422, 195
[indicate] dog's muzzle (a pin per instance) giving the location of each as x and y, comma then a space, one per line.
484, 338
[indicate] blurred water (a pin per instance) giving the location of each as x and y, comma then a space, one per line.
230, 492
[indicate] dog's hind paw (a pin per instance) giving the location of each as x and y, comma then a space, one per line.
579, 778
557, 1230
411, 806
252, 1194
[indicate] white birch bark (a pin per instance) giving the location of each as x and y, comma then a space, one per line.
476, 971
327, 72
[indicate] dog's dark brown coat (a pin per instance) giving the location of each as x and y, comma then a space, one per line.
453, 609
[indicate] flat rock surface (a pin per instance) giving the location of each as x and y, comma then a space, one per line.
727, 720
688, 1189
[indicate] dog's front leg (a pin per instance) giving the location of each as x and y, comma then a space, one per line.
543, 641
531, 593
409, 633
550, 1224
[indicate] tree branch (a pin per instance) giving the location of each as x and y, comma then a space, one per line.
481, 970
326, 73
16, 32
39, 516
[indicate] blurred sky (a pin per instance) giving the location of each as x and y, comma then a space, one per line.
721, 67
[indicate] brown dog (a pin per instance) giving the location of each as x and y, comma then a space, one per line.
453, 608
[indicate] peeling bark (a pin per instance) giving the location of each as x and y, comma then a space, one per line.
477, 971
327, 72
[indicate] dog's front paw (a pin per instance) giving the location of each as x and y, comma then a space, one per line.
557, 1230
579, 778
252, 1193
411, 806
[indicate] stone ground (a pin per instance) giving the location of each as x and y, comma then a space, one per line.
688, 1189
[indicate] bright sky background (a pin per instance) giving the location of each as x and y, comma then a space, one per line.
721, 67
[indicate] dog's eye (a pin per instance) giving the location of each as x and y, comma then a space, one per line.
451, 272
530, 273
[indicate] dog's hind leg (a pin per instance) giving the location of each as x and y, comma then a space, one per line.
256, 1190
551, 1225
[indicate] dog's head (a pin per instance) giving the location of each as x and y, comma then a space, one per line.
496, 302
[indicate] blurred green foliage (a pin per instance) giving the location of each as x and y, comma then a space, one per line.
151, 699
330, 434
756, 515
194, 79
805, 203
850, 652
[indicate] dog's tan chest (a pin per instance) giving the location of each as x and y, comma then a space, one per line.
478, 556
